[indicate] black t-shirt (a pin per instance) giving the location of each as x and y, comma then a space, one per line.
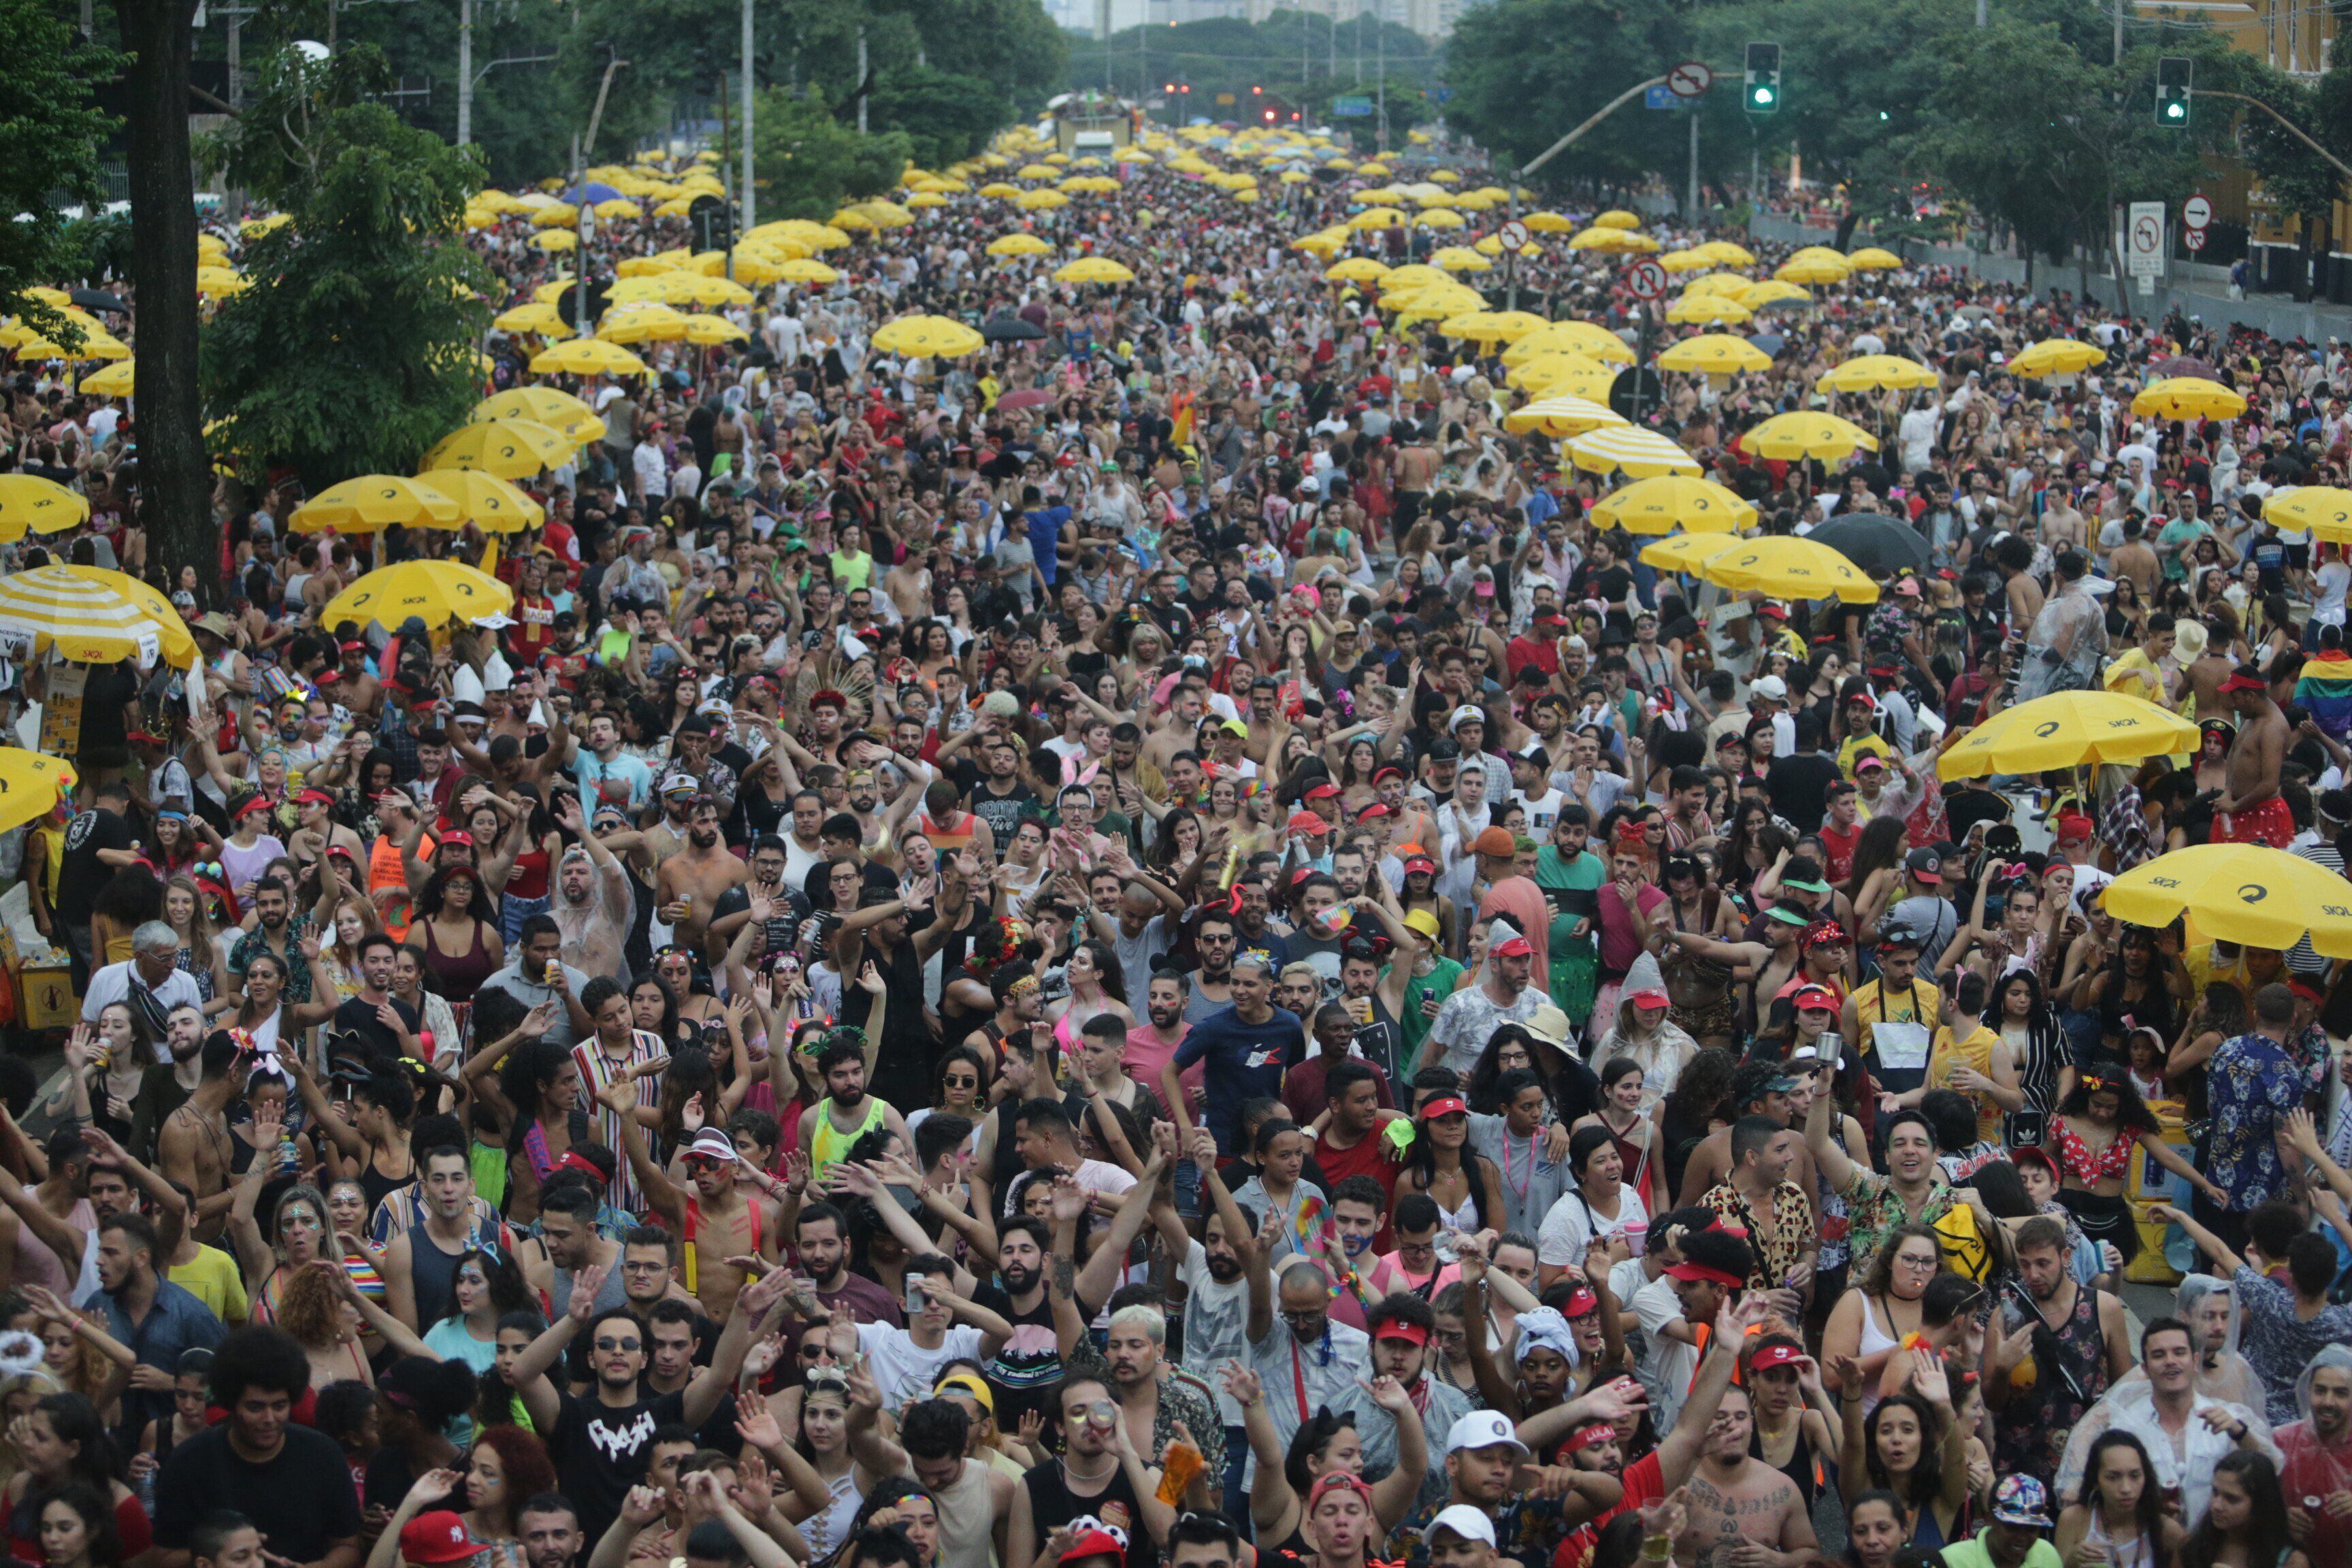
999, 1300
1052, 1504
356, 1015
600, 1452
83, 873
817, 887
1002, 813
301, 1499
1796, 787
783, 927
105, 694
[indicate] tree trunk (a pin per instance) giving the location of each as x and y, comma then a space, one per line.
1847, 222
174, 494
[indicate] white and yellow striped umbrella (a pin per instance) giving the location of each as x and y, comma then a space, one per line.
1644, 454
82, 618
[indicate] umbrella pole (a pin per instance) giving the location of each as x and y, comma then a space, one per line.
491, 554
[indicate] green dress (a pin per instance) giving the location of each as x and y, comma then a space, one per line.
1572, 887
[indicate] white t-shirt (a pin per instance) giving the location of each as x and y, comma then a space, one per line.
1667, 1370
113, 983
1217, 1326
1569, 1226
903, 1369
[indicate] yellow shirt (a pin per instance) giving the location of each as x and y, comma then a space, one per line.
2136, 675
1975, 1052
212, 1278
1856, 747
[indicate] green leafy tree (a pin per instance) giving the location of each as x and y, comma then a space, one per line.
1526, 73
352, 352
807, 162
49, 135
2299, 181
944, 116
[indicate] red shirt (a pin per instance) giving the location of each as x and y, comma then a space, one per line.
1645, 1482
534, 627
1841, 846
2312, 1468
1364, 1160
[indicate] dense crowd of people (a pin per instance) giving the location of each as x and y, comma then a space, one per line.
1151, 946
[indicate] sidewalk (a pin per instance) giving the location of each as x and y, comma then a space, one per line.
2201, 291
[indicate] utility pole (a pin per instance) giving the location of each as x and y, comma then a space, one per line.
862, 94
744, 227
1690, 201
1984, 13
1381, 81
465, 72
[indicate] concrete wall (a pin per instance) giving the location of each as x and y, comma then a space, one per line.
2199, 290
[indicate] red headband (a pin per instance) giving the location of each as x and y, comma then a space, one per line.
1589, 1434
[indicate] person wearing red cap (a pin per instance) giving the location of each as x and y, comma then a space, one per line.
1501, 890
2249, 809
1467, 1019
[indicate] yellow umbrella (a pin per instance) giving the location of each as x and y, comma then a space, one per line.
373, 502
1587, 338
1877, 373
706, 330
1358, 269
2322, 510
554, 215
1601, 238
1771, 291
1461, 258
1871, 258
554, 239
27, 501
115, 380
694, 289
1714, 353
85, 618
1807, 434
645, 265
1493, 326
1828, 268
1041, 201
1094, 269
1787, 567
2055, 356
31, 785
806, 269
1549, 223
1685, 261
509, 447
2242, 893
586, 356
1672, 501
1376, 217
1713, 309
438, 591
926, 199
1564, 376
928, 337
213, 282
1685, 552
1617, 219
1018, 245
2188, 397
619, 206
1441, 217
558, 411
1726, 254
1562, 416
484, 500
179, 643
1037, 172
1002, 190
536, 318
1630, 449
2065, 729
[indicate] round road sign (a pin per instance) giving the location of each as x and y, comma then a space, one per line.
2194, 238
1647, 279
1690, 79
2196, 212
1513, 235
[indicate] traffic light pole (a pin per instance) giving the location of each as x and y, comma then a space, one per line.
1612, 106
2292, 127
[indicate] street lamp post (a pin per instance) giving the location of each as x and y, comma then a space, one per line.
746, 224
465, 72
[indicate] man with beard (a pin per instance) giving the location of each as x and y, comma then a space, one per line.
188, 1146
166, 1086
1741, 1508
1406, 1432
1592, 1443
549, 1528
1482, 1456
695, 764
1215, 939
600, 1441
596, 904
2316, 1454
1019, 1294
570, 1242
1252, 905
667, 837
847, 1112
1150, 1045
821, 1234
1019, 1019
2082, 1347
1467, 1019
718, 1223
278, 930
375, 1015
1216, 1303
688, 886
1246, 1048
1096, 1475
421, 1292
1157, 1404
142, 1308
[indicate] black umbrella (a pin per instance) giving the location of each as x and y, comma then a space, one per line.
1878, 544
1011, 330
99, 300
2186, 365
1768, 342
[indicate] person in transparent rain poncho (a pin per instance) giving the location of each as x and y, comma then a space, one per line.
2068, 642
2315, 1469
2210, 1308
2185, 1430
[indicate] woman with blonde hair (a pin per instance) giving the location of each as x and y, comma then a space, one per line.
355, 920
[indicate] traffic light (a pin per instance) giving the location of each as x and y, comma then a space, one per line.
2172, 84
1255, 91
1269, 117
1170, 88
1762, 94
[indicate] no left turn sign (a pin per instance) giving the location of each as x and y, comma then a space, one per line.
1647, 279
1690, 79
1513, 235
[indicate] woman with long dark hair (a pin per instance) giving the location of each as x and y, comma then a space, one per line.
1868, 1325
455, 930
2119, 1512
1464, 1185
1686, 1116
78, 1531
2246, 1523
2093, 1137
2029, 1028
1912, 1444
63, 1444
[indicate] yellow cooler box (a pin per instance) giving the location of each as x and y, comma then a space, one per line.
46, 992
2151, 1267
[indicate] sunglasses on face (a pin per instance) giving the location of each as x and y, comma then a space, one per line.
609, 1342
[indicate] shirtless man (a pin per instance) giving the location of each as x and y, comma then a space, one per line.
688, 883
720, 1223
193, 1149
1742, 1510
1182, 724
1761, 1088
2250, 810
2134, 560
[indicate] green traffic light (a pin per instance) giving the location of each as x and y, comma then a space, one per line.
1763, 95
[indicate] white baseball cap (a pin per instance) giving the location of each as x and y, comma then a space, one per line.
1482, 1429
1469, 1523
1769, 686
